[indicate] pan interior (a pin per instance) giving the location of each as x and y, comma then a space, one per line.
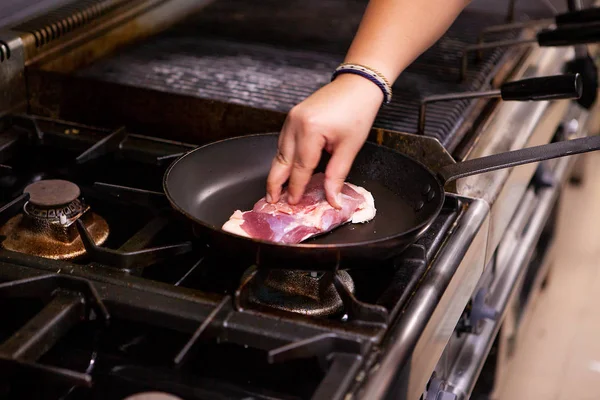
211, 182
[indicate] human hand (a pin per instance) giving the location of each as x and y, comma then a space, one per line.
337, 118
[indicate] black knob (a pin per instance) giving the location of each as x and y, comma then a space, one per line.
588, 70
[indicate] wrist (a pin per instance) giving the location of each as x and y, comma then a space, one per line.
390, 72
360, 86
369, 74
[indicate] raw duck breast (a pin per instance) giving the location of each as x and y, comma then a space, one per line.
313, 215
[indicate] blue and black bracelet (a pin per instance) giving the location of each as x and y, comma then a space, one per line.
367, 73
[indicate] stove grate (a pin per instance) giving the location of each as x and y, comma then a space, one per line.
271, 56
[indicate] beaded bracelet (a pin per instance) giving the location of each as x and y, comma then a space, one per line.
367, 73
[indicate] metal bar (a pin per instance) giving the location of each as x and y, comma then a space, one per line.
45, 329
270, 331
317, 346
44, 373
11, 209
357, 310
522, 156
36, 285
449, 97
240, 297
514, 26
169, 157
406, 334
134, 261
464, 59
35, 270
144, 198
185, 351
181, 309
340, 375
465, 371
185, 309
144, 236
189, 272
106, 145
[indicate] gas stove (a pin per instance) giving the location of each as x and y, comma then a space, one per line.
112, 293
116, 295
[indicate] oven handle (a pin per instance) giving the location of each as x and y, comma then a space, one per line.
469, 363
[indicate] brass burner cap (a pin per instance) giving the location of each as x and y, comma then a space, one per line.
52, 192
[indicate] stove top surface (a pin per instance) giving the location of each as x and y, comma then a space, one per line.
181, 319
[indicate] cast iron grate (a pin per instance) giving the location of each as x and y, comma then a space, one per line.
192, 296
67, 302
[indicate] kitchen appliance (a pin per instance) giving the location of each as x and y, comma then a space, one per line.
103, 95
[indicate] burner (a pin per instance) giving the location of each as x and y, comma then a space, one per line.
152, 396
52, 193
308, 293
47, 228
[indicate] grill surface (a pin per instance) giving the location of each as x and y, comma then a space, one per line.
271, 55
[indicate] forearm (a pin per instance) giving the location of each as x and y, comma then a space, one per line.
393, 33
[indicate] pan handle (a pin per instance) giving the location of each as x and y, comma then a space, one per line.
568, 86
518, 157
570, 35
578, 17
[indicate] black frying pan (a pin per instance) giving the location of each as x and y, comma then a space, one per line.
210, 182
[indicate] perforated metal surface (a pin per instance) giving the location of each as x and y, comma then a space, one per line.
63, 19
271, 55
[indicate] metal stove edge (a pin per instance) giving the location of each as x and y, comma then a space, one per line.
416, 341
457, 374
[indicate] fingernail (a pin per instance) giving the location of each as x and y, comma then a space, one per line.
338, 199
269, 198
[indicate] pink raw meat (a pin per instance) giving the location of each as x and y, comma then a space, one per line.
313, 215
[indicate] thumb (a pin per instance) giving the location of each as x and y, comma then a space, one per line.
336, 172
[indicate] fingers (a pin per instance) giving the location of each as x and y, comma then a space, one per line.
337, 170
282, 164
306, 158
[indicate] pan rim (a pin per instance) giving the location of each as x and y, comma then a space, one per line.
418, 229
